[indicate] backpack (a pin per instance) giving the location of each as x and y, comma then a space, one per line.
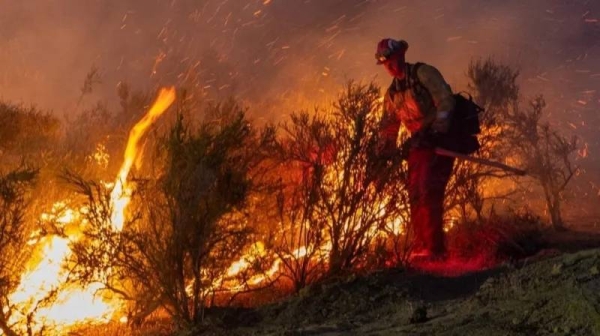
466, 114
465, 123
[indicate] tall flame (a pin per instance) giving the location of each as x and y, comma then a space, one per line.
120, 196
45, 270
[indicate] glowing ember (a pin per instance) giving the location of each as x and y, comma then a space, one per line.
100, 156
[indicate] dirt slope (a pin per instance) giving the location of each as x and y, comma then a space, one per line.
552, 289
552, 293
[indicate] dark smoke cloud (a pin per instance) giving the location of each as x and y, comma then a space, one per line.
279, 55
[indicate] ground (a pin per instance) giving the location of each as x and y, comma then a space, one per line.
555, 291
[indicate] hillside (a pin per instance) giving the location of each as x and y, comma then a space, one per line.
554, 292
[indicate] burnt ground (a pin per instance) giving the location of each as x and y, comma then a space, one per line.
555, 291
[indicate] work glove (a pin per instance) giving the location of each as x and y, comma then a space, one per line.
441, 124
422, 139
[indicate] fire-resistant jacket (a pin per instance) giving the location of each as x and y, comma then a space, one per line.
416, 101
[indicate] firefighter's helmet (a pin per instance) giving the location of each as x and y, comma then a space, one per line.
388, 47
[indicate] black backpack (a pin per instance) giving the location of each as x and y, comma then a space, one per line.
464, 125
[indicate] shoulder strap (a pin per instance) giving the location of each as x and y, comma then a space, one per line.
414, 82
413, 76
410, 81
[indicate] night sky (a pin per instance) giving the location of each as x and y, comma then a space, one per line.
279, 54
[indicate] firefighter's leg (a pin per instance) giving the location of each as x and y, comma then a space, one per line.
428, 177
437, 179
417, 171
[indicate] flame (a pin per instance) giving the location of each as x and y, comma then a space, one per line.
70, 306
46, 273
258, 250
120, 195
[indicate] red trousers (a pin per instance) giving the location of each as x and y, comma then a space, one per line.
428, 175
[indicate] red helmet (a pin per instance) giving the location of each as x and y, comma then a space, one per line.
388, 47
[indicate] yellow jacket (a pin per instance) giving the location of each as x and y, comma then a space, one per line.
417, 101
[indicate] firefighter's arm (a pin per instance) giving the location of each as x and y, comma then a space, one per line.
442, 96
388, 128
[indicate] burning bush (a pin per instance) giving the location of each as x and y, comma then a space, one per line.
186, 224
336, 201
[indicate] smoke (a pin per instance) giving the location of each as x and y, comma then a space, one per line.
272, 46
282, 55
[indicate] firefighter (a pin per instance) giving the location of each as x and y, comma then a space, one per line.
422, 101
